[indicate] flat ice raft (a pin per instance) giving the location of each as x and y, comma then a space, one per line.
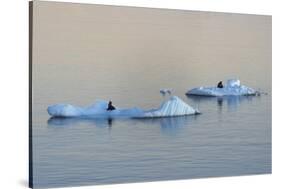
232, 88
174, 106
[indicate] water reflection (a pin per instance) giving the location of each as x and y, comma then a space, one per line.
168, 125
61, 121
171, 125
230, 102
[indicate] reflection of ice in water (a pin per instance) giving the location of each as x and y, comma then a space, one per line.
171, 125
230, 102
168, 125
99, 122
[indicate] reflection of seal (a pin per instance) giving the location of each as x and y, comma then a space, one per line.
109, 121
220, 101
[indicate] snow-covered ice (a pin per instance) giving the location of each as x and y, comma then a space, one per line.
233, 87
173, 106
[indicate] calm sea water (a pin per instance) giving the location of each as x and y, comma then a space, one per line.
83, 53
231, 137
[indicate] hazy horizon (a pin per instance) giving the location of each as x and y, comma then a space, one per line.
121, 48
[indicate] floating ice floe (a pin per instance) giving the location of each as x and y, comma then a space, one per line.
174, 106
232, 88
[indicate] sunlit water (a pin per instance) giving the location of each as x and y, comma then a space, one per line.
83, 53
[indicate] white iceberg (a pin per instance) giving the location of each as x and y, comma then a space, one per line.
174, 106
232, 88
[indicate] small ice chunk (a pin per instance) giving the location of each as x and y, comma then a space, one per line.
164, 91
233, 87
